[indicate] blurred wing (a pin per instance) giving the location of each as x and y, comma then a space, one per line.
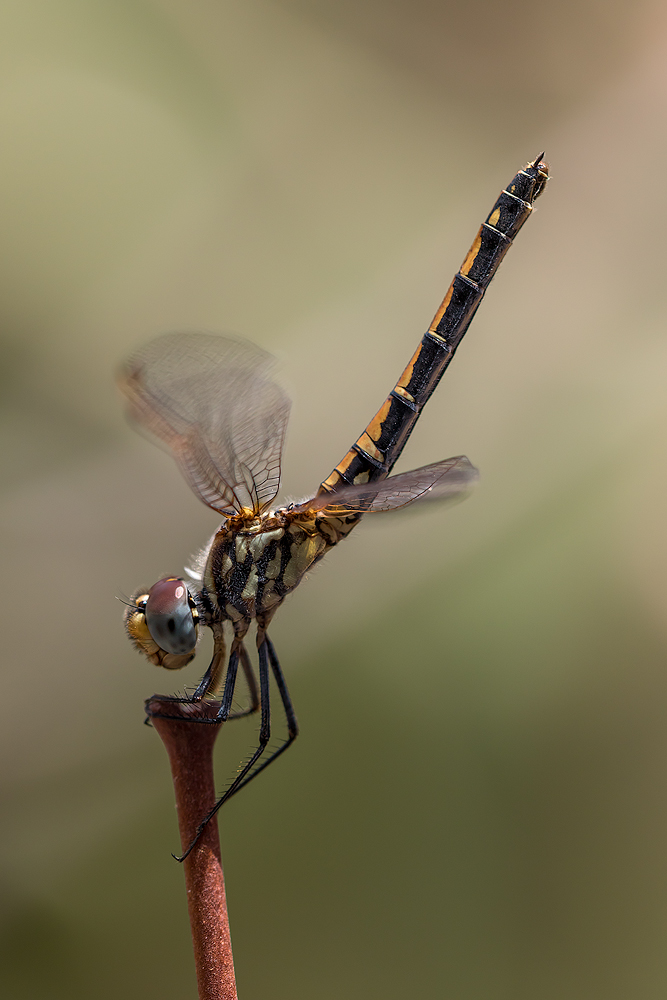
212, 402
451, 479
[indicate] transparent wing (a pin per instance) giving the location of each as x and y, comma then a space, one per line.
212, 402
451, 479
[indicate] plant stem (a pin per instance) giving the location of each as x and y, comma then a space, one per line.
189, 745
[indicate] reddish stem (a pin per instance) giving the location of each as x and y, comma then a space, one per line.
189, 745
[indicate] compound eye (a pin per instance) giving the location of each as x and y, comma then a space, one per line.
169, 617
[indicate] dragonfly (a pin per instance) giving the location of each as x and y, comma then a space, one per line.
213, 402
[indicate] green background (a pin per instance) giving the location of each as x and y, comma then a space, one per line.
476, 805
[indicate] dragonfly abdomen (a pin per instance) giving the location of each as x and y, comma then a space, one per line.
375, 452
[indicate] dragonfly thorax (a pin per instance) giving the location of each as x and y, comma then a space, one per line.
252, 564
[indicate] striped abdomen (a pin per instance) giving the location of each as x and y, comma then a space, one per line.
373, 455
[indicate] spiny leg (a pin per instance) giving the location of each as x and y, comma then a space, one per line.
238, 650
208, 683
228, 693
264, 731
252, 687
290, 718
230, 683
212, 677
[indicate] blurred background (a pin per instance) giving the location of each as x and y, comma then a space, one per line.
476, 806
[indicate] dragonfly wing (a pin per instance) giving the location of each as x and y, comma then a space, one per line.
451, 479
212, 402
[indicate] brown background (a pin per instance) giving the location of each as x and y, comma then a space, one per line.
475, 808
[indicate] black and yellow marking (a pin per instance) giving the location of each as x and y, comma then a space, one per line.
249, 572
375, 452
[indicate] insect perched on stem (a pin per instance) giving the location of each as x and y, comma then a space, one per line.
212, 402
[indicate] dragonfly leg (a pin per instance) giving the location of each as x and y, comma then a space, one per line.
292, 727
252, 687
227, 695
212, 677
264, 732
224, 714
290, 718
230, 684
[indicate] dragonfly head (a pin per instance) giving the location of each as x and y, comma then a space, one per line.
163, 623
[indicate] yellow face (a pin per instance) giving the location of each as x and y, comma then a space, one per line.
169, 609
